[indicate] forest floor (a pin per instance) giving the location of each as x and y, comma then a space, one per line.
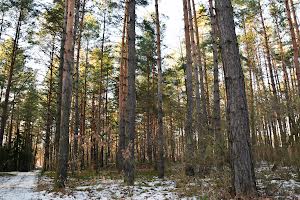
280, 183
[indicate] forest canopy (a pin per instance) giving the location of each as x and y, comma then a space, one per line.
94, 86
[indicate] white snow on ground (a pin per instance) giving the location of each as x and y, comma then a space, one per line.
115, 189
25, 185
281, 183
19, 185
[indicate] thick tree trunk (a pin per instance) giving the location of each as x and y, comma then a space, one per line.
189, 150
59, 92
66, 96
161, 143
239, 134
128, 156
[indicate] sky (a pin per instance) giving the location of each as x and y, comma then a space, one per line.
174, 24
173, 35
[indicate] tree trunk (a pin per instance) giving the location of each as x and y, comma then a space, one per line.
122, 93
201, 125
243, 178
161, 144
296, 24
149, 131
83, 111
294, 43
66, 96
216, 97
76, 85
49, 115
275, 102
291, 114
11, 122
2, 20
10, 77
59, 92
189, 151
197, 64
128, 156
200, 68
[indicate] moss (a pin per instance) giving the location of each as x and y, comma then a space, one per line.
50, 174
6, 174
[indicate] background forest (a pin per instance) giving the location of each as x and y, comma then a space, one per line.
92, 86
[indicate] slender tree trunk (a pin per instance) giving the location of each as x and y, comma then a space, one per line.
107, 125
66, 96
251, 95
2, 20
101, 102
83, 111
216, 99
77, 75
10, 77
189, 151
243, 178
160, 131
285, 80
49, 115
294, 42
200, 68
196, 60
11, 123
296, 24
122, 93
275, 102
202, 136
149, 131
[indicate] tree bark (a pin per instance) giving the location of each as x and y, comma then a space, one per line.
77, 75
128, 155
296, 24
294, 42
189, 151
122, 93
200, 68
66, 96
59, 92
160, 131
200, 119
216, 94
197, 64
243, 178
